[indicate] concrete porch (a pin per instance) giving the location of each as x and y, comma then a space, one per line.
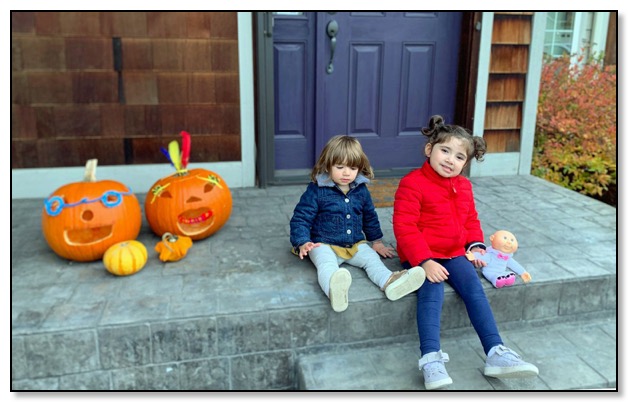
242, 313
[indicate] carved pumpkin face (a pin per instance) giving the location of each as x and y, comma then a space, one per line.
195, 203
80, 221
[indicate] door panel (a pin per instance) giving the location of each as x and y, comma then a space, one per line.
294, 60
391, 72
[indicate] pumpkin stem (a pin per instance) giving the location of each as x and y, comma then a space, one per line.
90, 170
168, 238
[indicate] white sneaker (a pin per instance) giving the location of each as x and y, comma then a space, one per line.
502, 362
404, 282
339, 289
434, 372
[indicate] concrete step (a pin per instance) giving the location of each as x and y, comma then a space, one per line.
569, 356
371, 317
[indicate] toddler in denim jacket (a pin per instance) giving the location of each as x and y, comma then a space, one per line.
334, 221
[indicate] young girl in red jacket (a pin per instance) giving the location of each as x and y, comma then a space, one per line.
435, 223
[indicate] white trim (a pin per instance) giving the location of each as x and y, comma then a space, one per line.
496, 164
41, 182
599, 31
577, 36
247, 98
531, 97
481, 94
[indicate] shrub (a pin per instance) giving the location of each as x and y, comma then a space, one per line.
576, 130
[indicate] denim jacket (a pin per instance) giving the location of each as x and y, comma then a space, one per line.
326, 215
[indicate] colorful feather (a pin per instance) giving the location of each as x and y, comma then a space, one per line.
165, 152
186, 144
175, 155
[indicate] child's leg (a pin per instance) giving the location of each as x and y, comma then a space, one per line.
368, 259
326, 263
429, 306
464, 280
394, 284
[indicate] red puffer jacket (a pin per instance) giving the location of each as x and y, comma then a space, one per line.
434, 217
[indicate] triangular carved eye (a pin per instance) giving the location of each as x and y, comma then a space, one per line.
208, 187
165, 194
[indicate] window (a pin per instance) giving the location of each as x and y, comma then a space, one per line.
559, 33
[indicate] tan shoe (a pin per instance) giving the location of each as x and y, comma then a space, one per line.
339, 290
404, 282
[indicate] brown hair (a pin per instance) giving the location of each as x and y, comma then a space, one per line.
342, 150
439, 132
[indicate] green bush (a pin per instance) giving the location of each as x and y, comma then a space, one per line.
575, 142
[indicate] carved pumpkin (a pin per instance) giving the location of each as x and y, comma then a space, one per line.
194, 203
81, 220
125, 258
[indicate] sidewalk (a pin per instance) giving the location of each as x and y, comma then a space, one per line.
570, 356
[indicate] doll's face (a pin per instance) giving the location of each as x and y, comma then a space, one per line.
504, 241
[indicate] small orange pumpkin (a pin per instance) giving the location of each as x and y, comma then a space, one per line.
125, 258
173, 247
194, 203
81, 220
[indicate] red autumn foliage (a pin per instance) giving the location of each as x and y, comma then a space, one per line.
576, 129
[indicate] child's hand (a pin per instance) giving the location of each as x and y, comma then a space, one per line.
526, 277
384, 251
478, 263
305, 248
435, 272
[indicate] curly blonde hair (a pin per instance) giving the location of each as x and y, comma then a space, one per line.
342, 150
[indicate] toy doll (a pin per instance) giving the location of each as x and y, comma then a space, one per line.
501, 266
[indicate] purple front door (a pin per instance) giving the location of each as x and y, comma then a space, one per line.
391, 72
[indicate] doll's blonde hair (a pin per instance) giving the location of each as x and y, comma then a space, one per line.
342, 150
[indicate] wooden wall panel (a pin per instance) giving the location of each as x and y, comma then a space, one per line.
508, 29
502, 140
507, 78
509, 87
503, 116
509, 59
610, 53
119, 85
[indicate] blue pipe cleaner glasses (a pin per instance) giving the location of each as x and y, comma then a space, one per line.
54, 205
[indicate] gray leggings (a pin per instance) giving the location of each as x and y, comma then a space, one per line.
327, 262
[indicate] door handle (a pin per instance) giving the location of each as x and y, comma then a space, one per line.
332, 31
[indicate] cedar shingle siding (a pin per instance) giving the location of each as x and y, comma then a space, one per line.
117, 86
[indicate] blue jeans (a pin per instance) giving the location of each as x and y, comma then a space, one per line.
464, 279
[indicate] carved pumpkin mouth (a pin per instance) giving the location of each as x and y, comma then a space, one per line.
88, 235
195, 221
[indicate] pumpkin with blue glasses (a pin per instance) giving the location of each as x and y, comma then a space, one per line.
81, 220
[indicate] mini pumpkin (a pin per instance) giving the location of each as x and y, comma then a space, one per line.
125, 258
81, 220
195, 203
173, 247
